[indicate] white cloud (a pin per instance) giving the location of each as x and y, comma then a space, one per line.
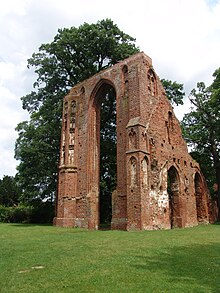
181, 36
9, 7
10, 116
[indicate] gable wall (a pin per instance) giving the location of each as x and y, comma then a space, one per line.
149, 143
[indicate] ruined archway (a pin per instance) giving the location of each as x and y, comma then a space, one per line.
201, 199
174, 197
103, 134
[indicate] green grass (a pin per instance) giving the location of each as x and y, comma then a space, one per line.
49, 259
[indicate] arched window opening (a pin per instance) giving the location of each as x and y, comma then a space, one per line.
169, 125
151, 83
170, 120
125, 72
174, 198
106, 131
125, 81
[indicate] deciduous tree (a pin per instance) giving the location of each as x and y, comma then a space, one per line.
9, 191
174, 91
202, 129
74, 55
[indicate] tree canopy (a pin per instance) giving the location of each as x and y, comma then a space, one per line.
9, 191
74, 55
174, 91
201, 129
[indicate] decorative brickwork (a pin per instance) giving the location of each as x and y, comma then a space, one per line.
159, 185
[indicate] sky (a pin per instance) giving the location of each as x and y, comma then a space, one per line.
181, 36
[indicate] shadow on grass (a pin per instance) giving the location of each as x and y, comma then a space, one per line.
198, 264
23, 225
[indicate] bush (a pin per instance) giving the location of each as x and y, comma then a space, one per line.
16, 214
4, 214
38, 212
21, 214
43, 212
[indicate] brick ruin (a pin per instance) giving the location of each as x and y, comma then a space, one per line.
159, 185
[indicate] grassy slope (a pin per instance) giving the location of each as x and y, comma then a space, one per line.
51, 259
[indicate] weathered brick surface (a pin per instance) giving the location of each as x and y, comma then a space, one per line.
150, 149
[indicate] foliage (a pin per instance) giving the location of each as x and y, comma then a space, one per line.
16, 214
74, 55
206, 164
38, 258
37, 212
174, 91
37, 148
201, 129
10, 192
4, 214
42, 212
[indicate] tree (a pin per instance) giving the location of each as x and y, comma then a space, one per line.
74, 55
202, 129
174, 91
9, 191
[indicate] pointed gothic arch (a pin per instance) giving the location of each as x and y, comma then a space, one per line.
103, 91
174, 197
152, 87
201, 199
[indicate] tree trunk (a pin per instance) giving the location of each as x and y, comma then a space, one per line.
218, 192
217, 172
216, 161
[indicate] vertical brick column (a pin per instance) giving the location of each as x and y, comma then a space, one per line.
67, 183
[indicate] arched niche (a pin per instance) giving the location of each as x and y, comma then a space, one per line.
133, 172
132, 139
173, 189
144, 169
201, 202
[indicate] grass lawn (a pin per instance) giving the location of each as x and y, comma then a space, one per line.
36, 258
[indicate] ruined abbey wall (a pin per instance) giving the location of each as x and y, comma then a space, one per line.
159, 185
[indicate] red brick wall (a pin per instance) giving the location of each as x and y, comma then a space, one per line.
150, 148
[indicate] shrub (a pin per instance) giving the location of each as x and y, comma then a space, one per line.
16, 214
37, 212
4, 214
21, 214
43, 212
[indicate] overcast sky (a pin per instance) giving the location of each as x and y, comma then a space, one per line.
181, 36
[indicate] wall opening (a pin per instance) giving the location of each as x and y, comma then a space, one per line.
173, 190
200, 199
151, 82
106, 130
